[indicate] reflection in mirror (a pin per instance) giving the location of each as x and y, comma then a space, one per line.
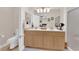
61, 26
27, 20
57, 21
35, 20
52, 18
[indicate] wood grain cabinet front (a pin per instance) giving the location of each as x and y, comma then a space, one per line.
37, 38
59, 43
54, 40
44, 39
48, 40
28, 38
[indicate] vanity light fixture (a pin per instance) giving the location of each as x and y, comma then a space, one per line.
43, 10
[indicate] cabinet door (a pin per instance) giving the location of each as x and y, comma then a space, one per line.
27, 38
48, 40
53, 41
37, 39
59, 43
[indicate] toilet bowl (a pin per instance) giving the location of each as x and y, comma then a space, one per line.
11, 43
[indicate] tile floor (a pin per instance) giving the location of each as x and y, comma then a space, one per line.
34, 49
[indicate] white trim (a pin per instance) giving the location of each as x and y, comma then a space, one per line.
65, 21
21, 28
70, 49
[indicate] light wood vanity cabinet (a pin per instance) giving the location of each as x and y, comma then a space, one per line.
28, 38
45, 39
37, 39
48, 40
54, 40
33, 39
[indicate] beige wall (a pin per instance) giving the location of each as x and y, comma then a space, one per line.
9, 20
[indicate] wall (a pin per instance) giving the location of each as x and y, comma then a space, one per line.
15, 17
8, 22
73, 29
70, 8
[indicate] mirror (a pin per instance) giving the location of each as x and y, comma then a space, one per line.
57, 21
49, 20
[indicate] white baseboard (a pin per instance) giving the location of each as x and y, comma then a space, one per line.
70, 49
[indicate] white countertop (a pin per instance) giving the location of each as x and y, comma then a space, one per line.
44, 30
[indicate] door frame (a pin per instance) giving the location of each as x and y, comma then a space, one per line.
21, 28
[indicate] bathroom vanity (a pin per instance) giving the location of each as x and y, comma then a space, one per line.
45, 39
45, 30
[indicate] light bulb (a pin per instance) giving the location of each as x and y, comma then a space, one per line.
38, 10
41, 10
48, 10
44, 10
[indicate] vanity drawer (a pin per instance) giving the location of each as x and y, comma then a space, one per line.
60, 34
50, 33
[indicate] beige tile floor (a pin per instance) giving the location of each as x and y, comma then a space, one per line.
34, 49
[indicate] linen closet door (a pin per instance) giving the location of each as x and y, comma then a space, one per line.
73, 29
